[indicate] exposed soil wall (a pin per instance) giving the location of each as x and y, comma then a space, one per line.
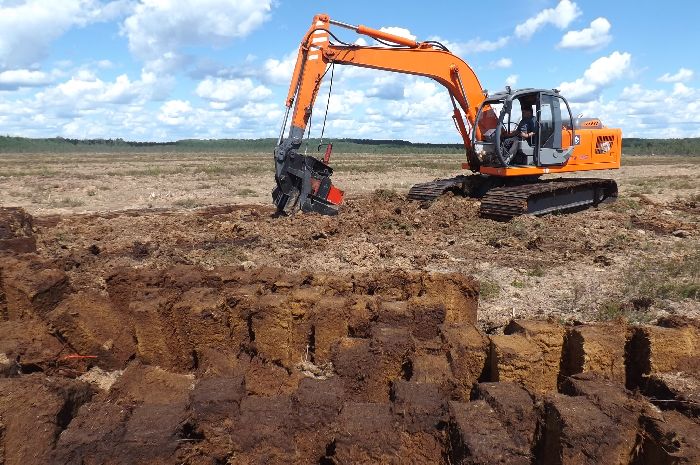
259, 365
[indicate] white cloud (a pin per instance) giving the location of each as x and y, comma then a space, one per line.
88, 106
28, 27
681, 90
84, 105
175, 112
512, 80
600, 74
418, 110
683, 75
85, 92
398, 31
423, 100
560, 16
342, 103
388, 86
635, 93
642, 112
374, 104
477, 45
374, 83
231, 92
501, 63
257, 110
18, 78
420, 90
158, 30
105, 64
280, 71
595, 36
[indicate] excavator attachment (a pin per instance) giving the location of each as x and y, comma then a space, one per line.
304, 183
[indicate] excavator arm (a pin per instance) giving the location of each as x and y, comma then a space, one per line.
303, 182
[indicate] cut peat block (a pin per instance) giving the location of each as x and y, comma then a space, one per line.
31, 289
479, 437
653, 349
595, 348
679, 391
613, 400
668, 439
515, 407
467, 353
576, 432
16, 234
529, 353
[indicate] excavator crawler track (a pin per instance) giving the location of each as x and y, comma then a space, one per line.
544, 197
429, 191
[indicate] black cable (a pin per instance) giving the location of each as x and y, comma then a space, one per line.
332, 35
308, 133
332, 68
328, 102
340, 41
389, 44
311, 113
437, 44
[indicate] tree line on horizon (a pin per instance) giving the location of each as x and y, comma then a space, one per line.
13, 144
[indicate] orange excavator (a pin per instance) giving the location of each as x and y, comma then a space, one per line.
507, 153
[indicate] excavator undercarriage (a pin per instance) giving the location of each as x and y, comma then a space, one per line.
506, 198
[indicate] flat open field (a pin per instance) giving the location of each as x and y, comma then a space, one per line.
65, 183
584, 266
152, 310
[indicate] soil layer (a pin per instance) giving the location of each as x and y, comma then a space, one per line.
116, 351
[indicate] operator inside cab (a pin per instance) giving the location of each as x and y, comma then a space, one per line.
526, 131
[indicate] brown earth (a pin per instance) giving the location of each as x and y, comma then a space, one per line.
636, 258
223, 335
113, 352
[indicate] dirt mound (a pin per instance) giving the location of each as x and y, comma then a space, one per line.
16, 234
254, 364
263, 366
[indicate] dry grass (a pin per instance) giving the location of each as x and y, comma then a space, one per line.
489, 289
641, 160
101, 181
187, 203
67, 202
244, 192
653, 282
646, 185
676, 276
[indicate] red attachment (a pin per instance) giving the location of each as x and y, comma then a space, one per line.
335, 195
327, 155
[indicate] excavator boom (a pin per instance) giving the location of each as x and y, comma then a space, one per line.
559, 144
303, 181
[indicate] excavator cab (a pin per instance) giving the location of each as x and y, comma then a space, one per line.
501, 146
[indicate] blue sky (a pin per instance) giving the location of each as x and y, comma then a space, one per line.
173, 69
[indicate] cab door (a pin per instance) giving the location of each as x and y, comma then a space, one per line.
549, 126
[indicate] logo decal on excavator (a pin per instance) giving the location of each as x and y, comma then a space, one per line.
577, 140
